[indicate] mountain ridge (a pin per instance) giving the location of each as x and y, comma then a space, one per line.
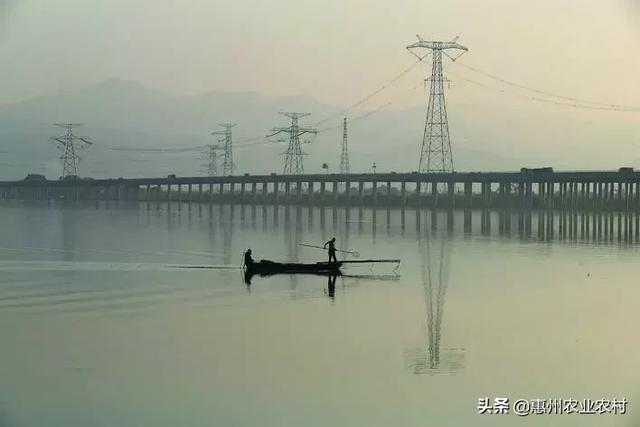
124, 113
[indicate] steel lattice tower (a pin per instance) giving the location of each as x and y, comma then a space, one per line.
344, 157
293, 162
436, 155
211, 156
69, 144
228, 166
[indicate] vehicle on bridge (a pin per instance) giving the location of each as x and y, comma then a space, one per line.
625, 170
35, 177
547, 169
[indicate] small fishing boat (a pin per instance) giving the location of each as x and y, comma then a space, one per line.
266, 267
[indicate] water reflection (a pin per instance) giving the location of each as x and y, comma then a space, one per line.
110, 268
435, 253
331, 287
589, 226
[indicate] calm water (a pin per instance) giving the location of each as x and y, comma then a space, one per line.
98, 327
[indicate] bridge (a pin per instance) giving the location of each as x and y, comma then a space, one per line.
619, 190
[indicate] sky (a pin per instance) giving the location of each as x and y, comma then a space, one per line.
334, 50
341, 51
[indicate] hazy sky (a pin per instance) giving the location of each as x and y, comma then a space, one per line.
334, 50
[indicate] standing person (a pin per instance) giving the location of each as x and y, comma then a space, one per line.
332, 249
248, 259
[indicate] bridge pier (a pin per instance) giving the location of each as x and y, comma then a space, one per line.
597, 190
374, 193
276, 194
403, 194
434, 194
347, 193
451, 194
486, 194
287, 193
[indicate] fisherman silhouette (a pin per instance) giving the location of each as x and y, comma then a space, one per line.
248, 260
332, 249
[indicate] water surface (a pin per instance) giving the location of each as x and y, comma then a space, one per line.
99, 328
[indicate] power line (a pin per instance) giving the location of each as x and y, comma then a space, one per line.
259, 140
160, 150
374, 93
542, 100
610, 106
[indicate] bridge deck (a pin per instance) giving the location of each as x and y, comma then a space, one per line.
455, 177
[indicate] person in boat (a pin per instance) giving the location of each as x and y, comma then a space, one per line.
331, 245
248, 260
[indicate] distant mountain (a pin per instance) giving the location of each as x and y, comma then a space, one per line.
119, 114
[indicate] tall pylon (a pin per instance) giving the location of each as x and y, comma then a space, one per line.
69, 144
344, 157
435, 155
211, 156
228, 167
293, 162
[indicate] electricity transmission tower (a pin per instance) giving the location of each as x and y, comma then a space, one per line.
435, 155
70, 144
344, 158
211, 156
227, 145
293, 162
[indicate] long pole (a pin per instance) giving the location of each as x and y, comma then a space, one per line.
355, 254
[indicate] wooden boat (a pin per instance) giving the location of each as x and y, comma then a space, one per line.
266, 267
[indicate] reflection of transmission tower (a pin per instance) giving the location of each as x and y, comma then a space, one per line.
435, 272
344, 158
435, 155
293, 162
69, 144
211, 156
227, 145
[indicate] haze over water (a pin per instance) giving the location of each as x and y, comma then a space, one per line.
99, 328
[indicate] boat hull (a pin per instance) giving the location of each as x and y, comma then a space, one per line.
269, 267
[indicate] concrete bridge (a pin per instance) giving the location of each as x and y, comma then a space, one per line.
618, 190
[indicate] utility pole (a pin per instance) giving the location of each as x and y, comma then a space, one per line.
344, 158
228, 166
69, 144
293, 162
436, 155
